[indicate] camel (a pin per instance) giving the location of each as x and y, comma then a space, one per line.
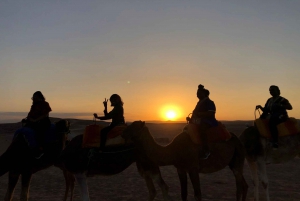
88, 162
259, 153
182, 153
18, 160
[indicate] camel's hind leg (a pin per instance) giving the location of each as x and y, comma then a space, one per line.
13, 178
262, 170
163, 186
26, 178
70, 180
237, 167
183, 183
194, 176
241, 184
254, 172
81, 180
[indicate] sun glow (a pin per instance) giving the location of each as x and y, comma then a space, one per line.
170, 113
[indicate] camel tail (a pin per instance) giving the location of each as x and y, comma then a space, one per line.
239, 153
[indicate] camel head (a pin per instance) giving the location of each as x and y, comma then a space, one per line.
63, 126
62, 130
133, 131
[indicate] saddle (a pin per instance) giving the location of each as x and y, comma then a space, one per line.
30, 136
214, 134
91, 136
287, 128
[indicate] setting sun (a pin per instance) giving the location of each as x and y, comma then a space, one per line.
170, 113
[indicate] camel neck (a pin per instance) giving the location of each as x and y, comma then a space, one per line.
161, 155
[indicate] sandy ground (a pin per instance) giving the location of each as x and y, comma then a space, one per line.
48, 185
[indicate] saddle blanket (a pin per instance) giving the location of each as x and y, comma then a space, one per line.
91, 136
29, 135
214, 134
289, 127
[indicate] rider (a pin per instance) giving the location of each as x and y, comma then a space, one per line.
38, 120
204, 116
116, 114
275, 109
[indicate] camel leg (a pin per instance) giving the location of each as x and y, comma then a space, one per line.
150, 186
69, 180
254, 172
241, 185
194, 177
183, 183
262, 169
72, 185
81, 180
13, 178
26, 178
163, 186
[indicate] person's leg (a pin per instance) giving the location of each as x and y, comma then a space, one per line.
202, 131
40, 130
103, 136
274, 132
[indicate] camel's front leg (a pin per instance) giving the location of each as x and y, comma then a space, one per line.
254, 172
81, 180
194, 176
26, 178
183, 183
13, 178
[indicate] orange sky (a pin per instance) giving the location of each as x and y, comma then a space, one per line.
152, 54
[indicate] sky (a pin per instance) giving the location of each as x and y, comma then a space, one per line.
153, 54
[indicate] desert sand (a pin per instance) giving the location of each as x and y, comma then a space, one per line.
48, 184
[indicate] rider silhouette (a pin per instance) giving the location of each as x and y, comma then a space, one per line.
204, 116
38, 120
116, 114
275, 109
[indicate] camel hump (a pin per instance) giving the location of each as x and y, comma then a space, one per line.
287, 128
214, 134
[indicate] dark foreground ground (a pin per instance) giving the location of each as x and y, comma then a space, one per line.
48, 185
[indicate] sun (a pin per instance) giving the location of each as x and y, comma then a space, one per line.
170, 115
170, 112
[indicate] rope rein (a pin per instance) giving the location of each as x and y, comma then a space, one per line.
255, 113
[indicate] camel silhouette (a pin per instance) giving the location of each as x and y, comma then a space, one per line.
259, 153
18, 159
182, 152
88, 162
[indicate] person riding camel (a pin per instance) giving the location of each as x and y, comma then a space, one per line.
204, 116
275, 109
38, 120
116, 114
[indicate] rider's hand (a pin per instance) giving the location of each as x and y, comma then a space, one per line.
95, 115
188, 119
258, 107
105, 102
